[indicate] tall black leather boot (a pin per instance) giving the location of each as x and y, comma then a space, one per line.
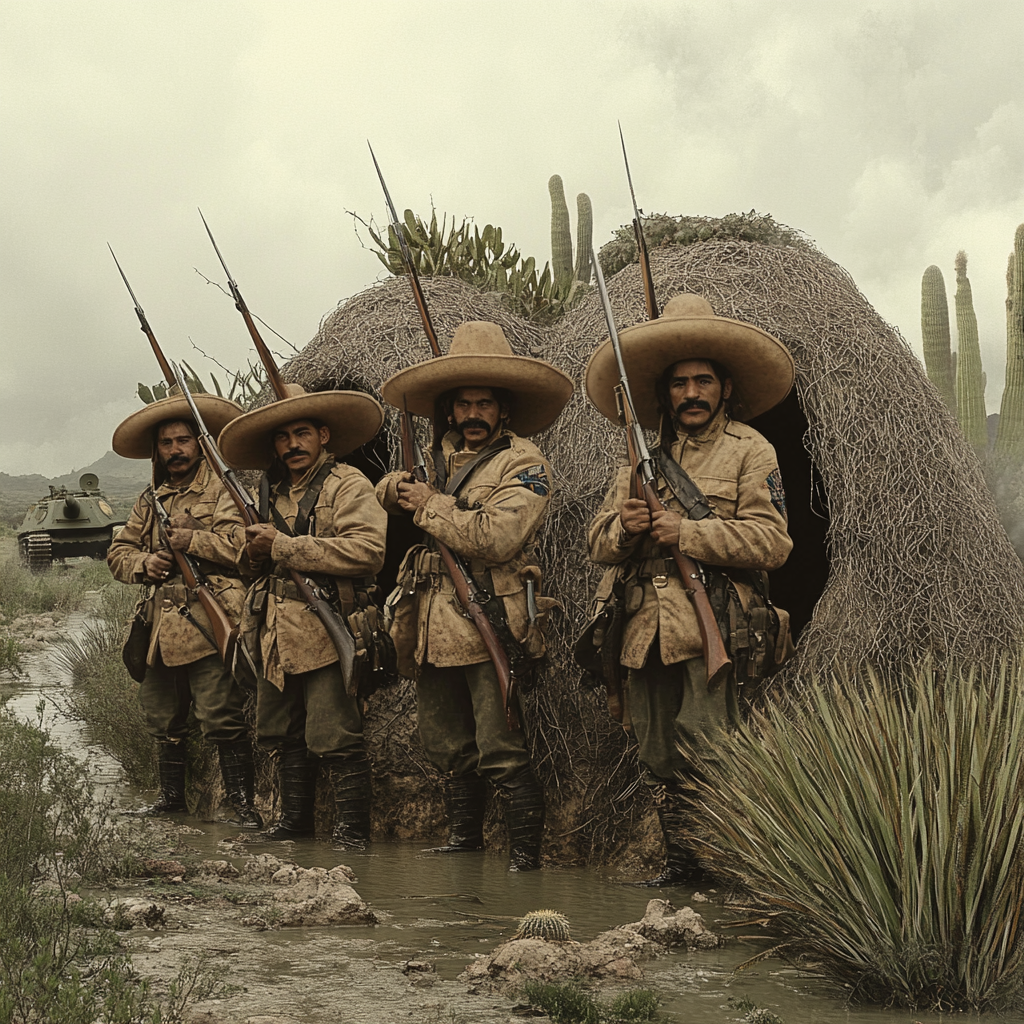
171, 767
296, 779
352, 784
525, 820
681, 867
239, 775
466, 798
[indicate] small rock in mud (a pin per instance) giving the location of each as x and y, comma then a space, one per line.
211, 869
670, 927
421, 973
316, 896
123, 914
151, 868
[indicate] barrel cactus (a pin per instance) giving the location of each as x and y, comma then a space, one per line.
544, 924
970, 387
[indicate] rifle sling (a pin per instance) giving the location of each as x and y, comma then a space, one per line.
493, 607
687, 493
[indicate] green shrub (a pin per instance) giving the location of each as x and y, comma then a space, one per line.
637, 1004
883, 824
103, 695
564, 1003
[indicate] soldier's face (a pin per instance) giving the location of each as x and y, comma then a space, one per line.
696, 393
476, 414
299, 444
177, 449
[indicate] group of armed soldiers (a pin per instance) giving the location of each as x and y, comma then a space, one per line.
703, 530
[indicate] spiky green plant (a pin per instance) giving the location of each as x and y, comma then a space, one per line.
970, 388
1010, 438
561, 232
884, 825
544, 924
664, 229
935, 334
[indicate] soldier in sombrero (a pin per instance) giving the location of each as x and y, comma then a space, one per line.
181, 666
320, 518
486, 496
694, 377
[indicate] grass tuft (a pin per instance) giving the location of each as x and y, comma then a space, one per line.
883, 824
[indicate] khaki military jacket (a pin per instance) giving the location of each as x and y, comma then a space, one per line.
347, 534
738, 472
492, 525
175, 638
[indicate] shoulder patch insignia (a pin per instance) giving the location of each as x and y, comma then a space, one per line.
777, 491
536, 479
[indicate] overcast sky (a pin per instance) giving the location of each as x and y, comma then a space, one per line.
891, 133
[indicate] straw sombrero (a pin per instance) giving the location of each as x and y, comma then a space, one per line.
480, 356
133, 439
352, 417
761, 369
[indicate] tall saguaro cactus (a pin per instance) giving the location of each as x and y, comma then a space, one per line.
1010, 438
561, 232
938, 361
970, 387
584, 237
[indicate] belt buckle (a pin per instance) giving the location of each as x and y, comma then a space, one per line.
660, 581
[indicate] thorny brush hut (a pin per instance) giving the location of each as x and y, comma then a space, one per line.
898, 553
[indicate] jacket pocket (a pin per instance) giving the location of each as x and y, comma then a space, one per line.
722, 495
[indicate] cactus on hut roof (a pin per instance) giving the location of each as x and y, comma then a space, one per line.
561, 232
584, 238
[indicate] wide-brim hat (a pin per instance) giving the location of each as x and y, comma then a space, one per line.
352, 417
761, 368
133, 438
480, 356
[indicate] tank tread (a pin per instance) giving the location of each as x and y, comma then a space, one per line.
40, 552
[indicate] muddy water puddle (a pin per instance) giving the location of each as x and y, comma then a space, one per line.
443, 910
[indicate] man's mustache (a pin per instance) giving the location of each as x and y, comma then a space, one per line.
293, 452
472, 424
693, 403
175, 459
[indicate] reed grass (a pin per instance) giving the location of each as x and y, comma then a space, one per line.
883, 825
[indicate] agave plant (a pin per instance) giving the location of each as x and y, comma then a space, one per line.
883, 825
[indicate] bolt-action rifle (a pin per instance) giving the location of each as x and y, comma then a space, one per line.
224, 632
470, 596
644, 485
641, 243
309, 590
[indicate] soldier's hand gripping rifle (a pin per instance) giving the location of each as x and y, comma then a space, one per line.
645, 482
310, 592
224, 633
470, 596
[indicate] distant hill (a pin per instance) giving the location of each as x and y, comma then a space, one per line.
120, 480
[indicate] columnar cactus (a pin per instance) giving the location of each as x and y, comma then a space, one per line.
561, 232
1010, 438
584, 237
970, 389
935, 334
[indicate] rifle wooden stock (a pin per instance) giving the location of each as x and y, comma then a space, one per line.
465, 591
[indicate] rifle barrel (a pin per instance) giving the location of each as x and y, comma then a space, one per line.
165, 367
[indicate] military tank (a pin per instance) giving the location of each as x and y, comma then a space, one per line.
68, 524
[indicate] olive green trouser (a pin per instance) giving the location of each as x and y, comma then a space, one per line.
313, 711
671, 709
166, 694
462, 723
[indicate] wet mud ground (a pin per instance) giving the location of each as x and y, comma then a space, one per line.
444, 911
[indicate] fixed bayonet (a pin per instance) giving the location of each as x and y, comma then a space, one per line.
273, 374
165, 367
641, 242
410, 267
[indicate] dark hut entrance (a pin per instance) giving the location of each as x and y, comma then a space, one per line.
801, 581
